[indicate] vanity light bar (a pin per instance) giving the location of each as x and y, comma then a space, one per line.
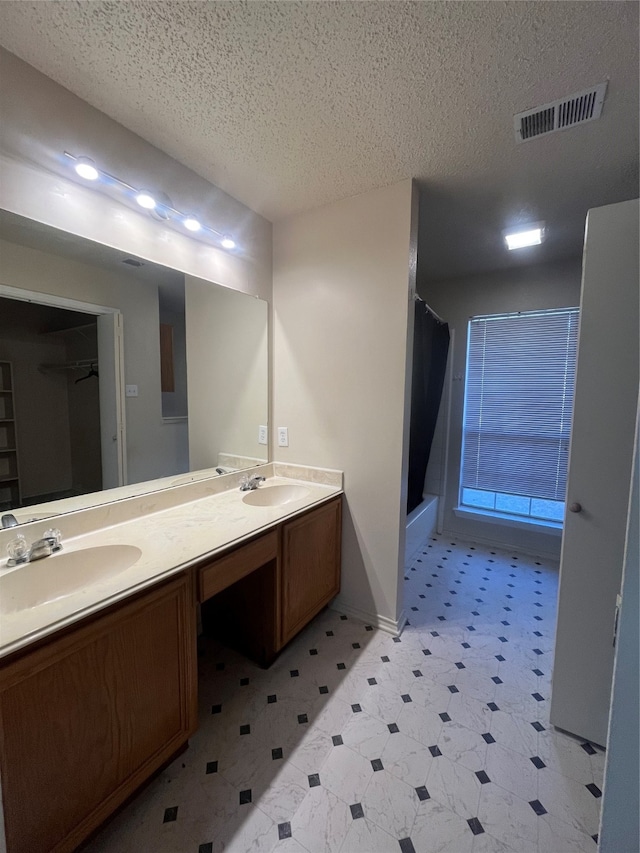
87, 169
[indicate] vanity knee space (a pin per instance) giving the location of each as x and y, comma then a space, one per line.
263, 593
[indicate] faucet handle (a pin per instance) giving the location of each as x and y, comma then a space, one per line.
53, 537
18, 550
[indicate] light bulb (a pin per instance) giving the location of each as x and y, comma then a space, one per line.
528, 235
228, 242
146, 200
192, 224
86, 168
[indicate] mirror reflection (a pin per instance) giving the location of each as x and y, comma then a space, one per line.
116, 371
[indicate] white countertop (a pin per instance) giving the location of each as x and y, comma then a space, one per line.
170, 539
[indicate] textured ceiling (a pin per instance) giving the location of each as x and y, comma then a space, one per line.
289, 105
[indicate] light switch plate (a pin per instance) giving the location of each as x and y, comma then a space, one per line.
283, 437
263, 435
131, 390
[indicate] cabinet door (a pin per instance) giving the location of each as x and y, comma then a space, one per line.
88, 717
310, 566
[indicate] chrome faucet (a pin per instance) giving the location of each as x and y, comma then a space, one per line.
9, 520
248, 484
19, 552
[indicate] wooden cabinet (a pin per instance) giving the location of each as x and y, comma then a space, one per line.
220, 573
90, 715
310, 566
261, 594
239, 595
10, 496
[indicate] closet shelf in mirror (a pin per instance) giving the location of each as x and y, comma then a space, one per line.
82, 364
79, 329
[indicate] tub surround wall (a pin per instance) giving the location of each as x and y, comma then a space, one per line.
525, 289
343, 278
421, 524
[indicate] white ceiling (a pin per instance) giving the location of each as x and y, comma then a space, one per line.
290, 105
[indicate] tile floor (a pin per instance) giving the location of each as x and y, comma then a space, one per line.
358, 742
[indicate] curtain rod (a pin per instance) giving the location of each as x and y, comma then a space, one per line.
428, 307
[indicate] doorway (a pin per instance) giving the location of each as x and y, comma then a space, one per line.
67, 431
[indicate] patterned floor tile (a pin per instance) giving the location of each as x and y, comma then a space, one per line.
364, 836
439, 830
509, 819
391, 804
346, 773
357, 741
321, 822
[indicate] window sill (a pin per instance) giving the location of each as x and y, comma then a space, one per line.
535, 524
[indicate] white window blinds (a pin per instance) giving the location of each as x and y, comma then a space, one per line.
519, 402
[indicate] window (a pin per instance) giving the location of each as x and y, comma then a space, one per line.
517, 413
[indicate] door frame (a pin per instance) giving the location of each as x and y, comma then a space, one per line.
55, 301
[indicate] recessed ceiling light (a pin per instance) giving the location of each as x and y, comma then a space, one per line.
146, 200
529, 235
86, 168
228, 242
192, 224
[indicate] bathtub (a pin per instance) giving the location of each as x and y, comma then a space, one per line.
421, 524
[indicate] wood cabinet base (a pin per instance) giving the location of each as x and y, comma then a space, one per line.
91, 714
87, 718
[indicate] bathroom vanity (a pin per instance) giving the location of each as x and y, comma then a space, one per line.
96, 700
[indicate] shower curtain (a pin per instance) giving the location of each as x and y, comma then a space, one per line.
430, 349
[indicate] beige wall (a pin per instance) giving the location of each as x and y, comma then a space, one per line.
41, 120
227, 372
340, 300
148, 448
456, 300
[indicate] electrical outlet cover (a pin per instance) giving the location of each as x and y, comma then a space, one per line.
283, 437
263, 435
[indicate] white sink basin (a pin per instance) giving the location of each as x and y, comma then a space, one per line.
63, 574
276, 495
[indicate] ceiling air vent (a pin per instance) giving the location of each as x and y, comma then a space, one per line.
559, 115
133, 262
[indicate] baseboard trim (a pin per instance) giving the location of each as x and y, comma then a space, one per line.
384, 623
484, 540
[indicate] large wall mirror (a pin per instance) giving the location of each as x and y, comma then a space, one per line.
117, 371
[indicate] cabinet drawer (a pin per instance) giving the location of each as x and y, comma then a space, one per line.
221, 573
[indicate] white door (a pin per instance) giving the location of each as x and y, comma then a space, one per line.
112, 423
600, 464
